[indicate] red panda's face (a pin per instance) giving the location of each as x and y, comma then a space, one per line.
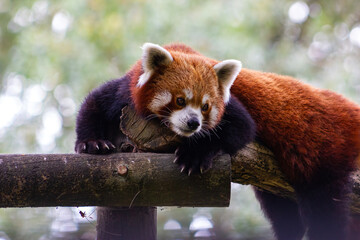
184, 90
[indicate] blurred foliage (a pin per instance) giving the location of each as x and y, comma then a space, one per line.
53, 53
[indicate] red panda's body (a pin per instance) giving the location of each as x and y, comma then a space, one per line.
314, 134
308, 129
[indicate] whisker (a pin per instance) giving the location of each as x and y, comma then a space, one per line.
214, 132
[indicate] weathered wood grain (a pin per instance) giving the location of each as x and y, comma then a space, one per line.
121, 179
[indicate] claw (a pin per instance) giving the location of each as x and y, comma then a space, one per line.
189, 173
201, 170
106, 146
81, 148
176, 160
112, 145
176, 151
97, 147
182, 169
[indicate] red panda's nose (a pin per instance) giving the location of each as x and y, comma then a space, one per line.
193, 123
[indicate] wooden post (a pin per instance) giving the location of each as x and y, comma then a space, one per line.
126, 223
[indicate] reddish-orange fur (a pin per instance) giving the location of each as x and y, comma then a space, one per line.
314, 134
306, 127
187, 71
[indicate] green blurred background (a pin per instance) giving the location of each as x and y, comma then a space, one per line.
53, 53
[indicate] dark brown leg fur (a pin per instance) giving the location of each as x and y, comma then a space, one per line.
283, 214
324, 208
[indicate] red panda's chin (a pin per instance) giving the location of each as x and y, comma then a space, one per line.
183, 132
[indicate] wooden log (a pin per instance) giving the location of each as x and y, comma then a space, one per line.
256, 165
122, 179
253, 165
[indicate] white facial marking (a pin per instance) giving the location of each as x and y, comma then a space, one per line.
213, 116
205, 98
227, 71
144, 78
160, 100
149, 51
179, 119
188, 93
154, 56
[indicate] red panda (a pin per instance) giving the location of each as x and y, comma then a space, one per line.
314, 134
188, 94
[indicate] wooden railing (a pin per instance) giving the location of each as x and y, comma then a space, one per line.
129, 186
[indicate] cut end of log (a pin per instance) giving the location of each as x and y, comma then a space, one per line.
148, 135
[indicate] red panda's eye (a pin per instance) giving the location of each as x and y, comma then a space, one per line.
205, 107
180, 101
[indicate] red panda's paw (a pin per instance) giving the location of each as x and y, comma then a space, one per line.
95, 147
192, 162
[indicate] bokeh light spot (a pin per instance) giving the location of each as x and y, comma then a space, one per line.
298, 12
355, 36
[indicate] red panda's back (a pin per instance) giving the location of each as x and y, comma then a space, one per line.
305, 127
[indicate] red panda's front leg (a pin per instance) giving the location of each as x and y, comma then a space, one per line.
195, 158
235, 130
97, 124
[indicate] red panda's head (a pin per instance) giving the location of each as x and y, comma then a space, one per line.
184, 89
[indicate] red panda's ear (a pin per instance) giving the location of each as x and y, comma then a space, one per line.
154, 57
227, 72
